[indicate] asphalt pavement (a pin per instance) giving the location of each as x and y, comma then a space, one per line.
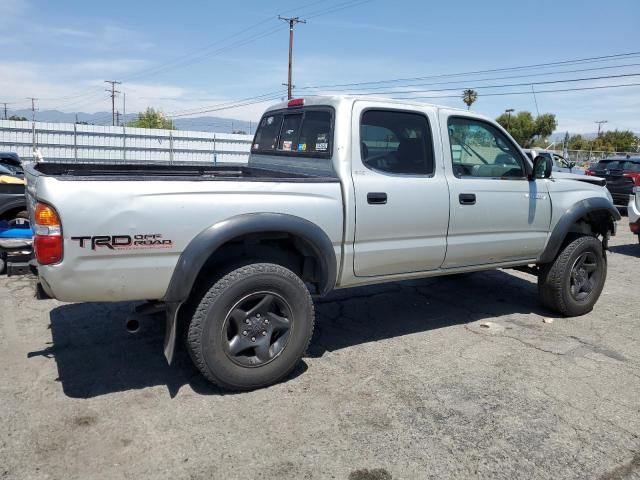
445, 378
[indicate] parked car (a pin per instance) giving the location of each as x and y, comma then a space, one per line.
633, 211
560, 164
13, 204
11, 162
338, 192
621, 174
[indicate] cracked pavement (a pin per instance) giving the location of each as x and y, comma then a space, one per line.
450, 377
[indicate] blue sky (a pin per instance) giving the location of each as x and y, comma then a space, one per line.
58, 50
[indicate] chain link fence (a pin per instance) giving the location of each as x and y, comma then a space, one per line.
586, 158
63, 142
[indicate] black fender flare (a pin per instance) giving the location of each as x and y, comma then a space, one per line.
203, 245
570, 217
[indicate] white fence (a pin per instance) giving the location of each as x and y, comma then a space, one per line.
59, 142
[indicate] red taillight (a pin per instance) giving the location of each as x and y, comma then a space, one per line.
634, 227
296, 102
635, 177
47, 241
48, 249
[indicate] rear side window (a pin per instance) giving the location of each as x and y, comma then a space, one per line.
631, 167
396, 142
306, 132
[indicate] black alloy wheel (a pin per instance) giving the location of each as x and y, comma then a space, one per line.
257, 328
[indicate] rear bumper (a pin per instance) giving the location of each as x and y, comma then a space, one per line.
620, 199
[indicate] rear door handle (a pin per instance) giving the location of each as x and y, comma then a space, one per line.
377, 198
467, 198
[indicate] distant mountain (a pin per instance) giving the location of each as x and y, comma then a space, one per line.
203, 124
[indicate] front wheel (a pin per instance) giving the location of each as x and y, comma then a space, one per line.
572, 283
251, 327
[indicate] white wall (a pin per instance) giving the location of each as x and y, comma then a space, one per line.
68, 142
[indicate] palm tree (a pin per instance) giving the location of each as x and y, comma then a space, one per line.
469, 97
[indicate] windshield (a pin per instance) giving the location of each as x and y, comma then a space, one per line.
10, 169
625, 165
304, 132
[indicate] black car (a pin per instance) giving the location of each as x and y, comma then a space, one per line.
621, 173
13, 203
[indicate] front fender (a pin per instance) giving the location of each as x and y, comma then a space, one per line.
571, 216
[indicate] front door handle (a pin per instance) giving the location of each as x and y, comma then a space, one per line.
467, 198
377, 198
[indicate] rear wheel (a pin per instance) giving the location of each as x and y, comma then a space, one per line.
572, 283
251, 327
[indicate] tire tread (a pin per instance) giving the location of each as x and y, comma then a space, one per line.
194, 334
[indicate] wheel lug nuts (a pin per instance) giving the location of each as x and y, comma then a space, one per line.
253, 339
257, 315
266, 321
244, 332
264, 334
247, 321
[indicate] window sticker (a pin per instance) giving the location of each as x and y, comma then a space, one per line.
322, 137
322, 146
286, 145
302, 147
269, 120
256, 146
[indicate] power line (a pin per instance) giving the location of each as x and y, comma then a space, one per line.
338, 7
188, 112
228, 107
507, 77
477, 72
506, 85
528, 92
204, 52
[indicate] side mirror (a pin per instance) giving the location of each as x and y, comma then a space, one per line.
542, 167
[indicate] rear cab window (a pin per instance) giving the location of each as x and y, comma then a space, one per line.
306, 132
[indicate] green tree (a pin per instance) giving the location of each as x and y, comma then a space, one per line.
616, 141
611, 141
152, 118
17, 118
469, 97
525, 129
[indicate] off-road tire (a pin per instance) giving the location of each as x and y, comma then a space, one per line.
206, 334
554, 278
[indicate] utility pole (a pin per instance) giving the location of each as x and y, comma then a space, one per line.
112, 91
600, 122
5, 110
509, 111
291, 21
117, 117
33, 121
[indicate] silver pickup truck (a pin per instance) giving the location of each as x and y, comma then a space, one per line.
338, 192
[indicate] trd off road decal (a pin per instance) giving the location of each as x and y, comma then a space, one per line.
123, 242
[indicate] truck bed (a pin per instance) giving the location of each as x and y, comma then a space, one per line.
191, 172
174, 203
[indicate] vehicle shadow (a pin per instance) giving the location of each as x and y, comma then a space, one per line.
369, 314
631, 249
96, 356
